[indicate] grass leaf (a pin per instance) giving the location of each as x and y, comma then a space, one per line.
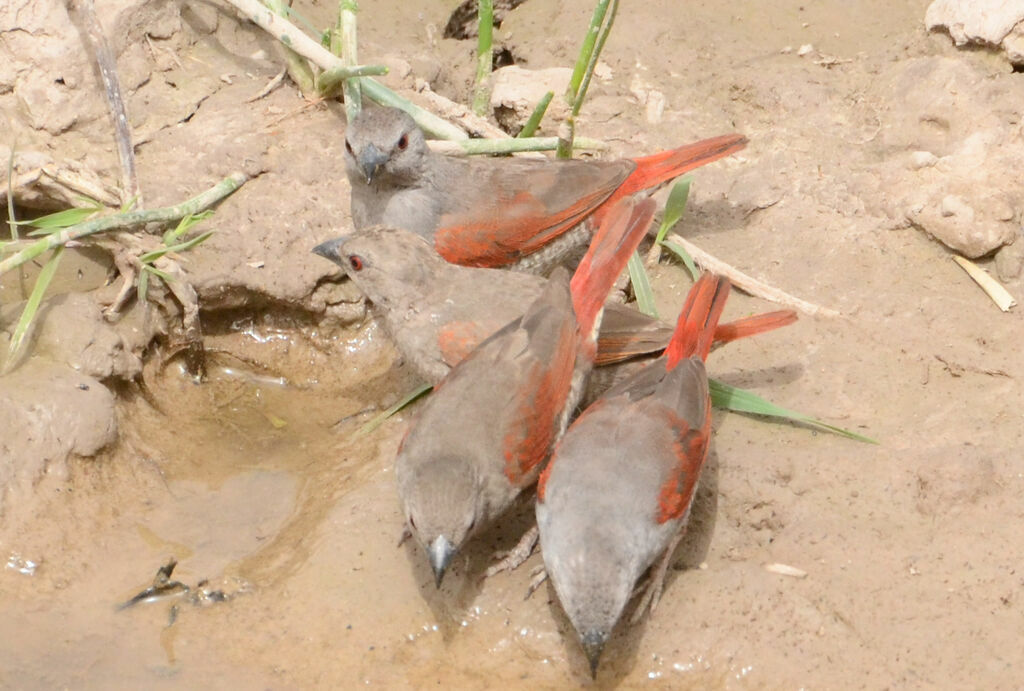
685, 257
62, 219
642, 286
675, 206
150, 257
743, 401
379, 419
530, 128
32, 306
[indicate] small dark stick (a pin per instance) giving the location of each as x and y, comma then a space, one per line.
112, 87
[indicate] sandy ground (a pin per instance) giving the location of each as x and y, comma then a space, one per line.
256, 480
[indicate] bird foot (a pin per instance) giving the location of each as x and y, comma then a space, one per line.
517, 555
537, 578
656, 581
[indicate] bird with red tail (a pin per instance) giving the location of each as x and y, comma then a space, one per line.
484, 434
527, 214
616, 495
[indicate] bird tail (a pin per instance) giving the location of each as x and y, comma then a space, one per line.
663, 166
615, 240
695, 330
751, 326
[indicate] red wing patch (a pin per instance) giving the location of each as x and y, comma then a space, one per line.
690, 449
523, 226
458, 339
540, 398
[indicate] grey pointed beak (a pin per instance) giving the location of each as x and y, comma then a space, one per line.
441, 552
371, 158
593, 644
329, 249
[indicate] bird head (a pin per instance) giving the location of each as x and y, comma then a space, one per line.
388, 265
442, 507
384, 144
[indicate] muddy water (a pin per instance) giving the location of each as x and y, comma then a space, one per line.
258, 483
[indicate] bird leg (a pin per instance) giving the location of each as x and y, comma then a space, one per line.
656, 581
517, 555
537, 578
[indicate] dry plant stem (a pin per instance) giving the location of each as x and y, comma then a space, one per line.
472, 147
484, 59
291, 36
341, 78
456, 112
991, 286
297, 67
271, 85
112, 87
347, 30
128, 219
748, 283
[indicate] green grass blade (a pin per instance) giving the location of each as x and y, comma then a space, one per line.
180, 247
62, 219
32, 306
642, 286
485, 58
379, 419
743, 401
184, 225
530, 128
675, 207
685, 257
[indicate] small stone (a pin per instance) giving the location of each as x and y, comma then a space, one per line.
922, 159
952, 205
805, 49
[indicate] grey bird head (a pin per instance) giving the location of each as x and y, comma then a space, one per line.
388, 265
441, 499
384, 145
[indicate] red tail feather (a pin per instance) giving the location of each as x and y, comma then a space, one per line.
663, 166
751, 326
695, 330
613, 243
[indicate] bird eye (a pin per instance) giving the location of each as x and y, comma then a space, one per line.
403, 142
348, 148
356, 262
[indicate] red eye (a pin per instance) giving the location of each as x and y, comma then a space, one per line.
403, 142
356, 262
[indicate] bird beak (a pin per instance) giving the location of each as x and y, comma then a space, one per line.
593, 643
329, 249
441, 552
371, 158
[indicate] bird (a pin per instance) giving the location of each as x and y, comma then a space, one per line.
484, 433
437, 312
614, 499
527, 214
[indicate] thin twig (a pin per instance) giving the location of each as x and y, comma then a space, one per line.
112, 88
748, 283
271, 85
126, 220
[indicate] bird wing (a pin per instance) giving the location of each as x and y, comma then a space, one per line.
512, 208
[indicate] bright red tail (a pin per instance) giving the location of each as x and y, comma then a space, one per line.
660, 167
751, 326
613, 243
695, 330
